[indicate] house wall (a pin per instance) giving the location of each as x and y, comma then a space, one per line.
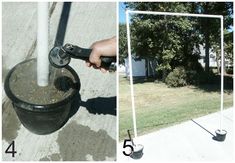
212, 59
138, 68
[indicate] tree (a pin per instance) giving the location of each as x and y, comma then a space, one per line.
122, 43
170, 39
228, 49
228, 37
210, 28
174, 41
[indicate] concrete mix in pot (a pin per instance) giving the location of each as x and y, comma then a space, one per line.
23, 83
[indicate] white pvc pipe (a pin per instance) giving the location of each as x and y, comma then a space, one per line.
222, 72
175, 14
42, 44
130, 70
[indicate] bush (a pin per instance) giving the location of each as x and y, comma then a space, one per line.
197, 78
177, 78
192, 77
229, 70
207, 78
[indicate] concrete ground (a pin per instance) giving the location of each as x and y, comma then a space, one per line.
188, 141
91, 133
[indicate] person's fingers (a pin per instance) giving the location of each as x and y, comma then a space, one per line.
88, 64
95, 67
92, 45
95, 58
103, 70
105, 47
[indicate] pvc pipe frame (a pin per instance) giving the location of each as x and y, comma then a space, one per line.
174, 14
42, 44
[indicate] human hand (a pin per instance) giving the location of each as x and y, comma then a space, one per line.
106, 48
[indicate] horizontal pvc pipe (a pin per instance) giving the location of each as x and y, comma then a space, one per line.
42, 44
174, 14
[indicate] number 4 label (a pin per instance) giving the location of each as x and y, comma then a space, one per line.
11, 149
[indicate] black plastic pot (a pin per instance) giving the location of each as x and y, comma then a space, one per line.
42, 119
138, 151
220, 135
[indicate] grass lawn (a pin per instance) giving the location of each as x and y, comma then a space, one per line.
158, 106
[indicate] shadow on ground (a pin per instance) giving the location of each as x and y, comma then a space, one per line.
213, 135
141, 80
101, 105
214, 85
211, 85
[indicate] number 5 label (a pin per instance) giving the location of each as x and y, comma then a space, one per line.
127, 146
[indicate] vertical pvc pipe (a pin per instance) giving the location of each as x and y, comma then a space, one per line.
222, 72
131, 74
42, 44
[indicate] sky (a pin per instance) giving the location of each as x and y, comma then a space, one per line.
122, 16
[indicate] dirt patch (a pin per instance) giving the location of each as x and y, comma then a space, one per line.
52, 157
10, 122
44, 159
85, 142
23, 83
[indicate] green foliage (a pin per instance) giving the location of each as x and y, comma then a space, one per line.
177, 77
192, 77
180, 77
123, 51
228, 47
174, 41
122, 43
171, 40
210, 28
197, 78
